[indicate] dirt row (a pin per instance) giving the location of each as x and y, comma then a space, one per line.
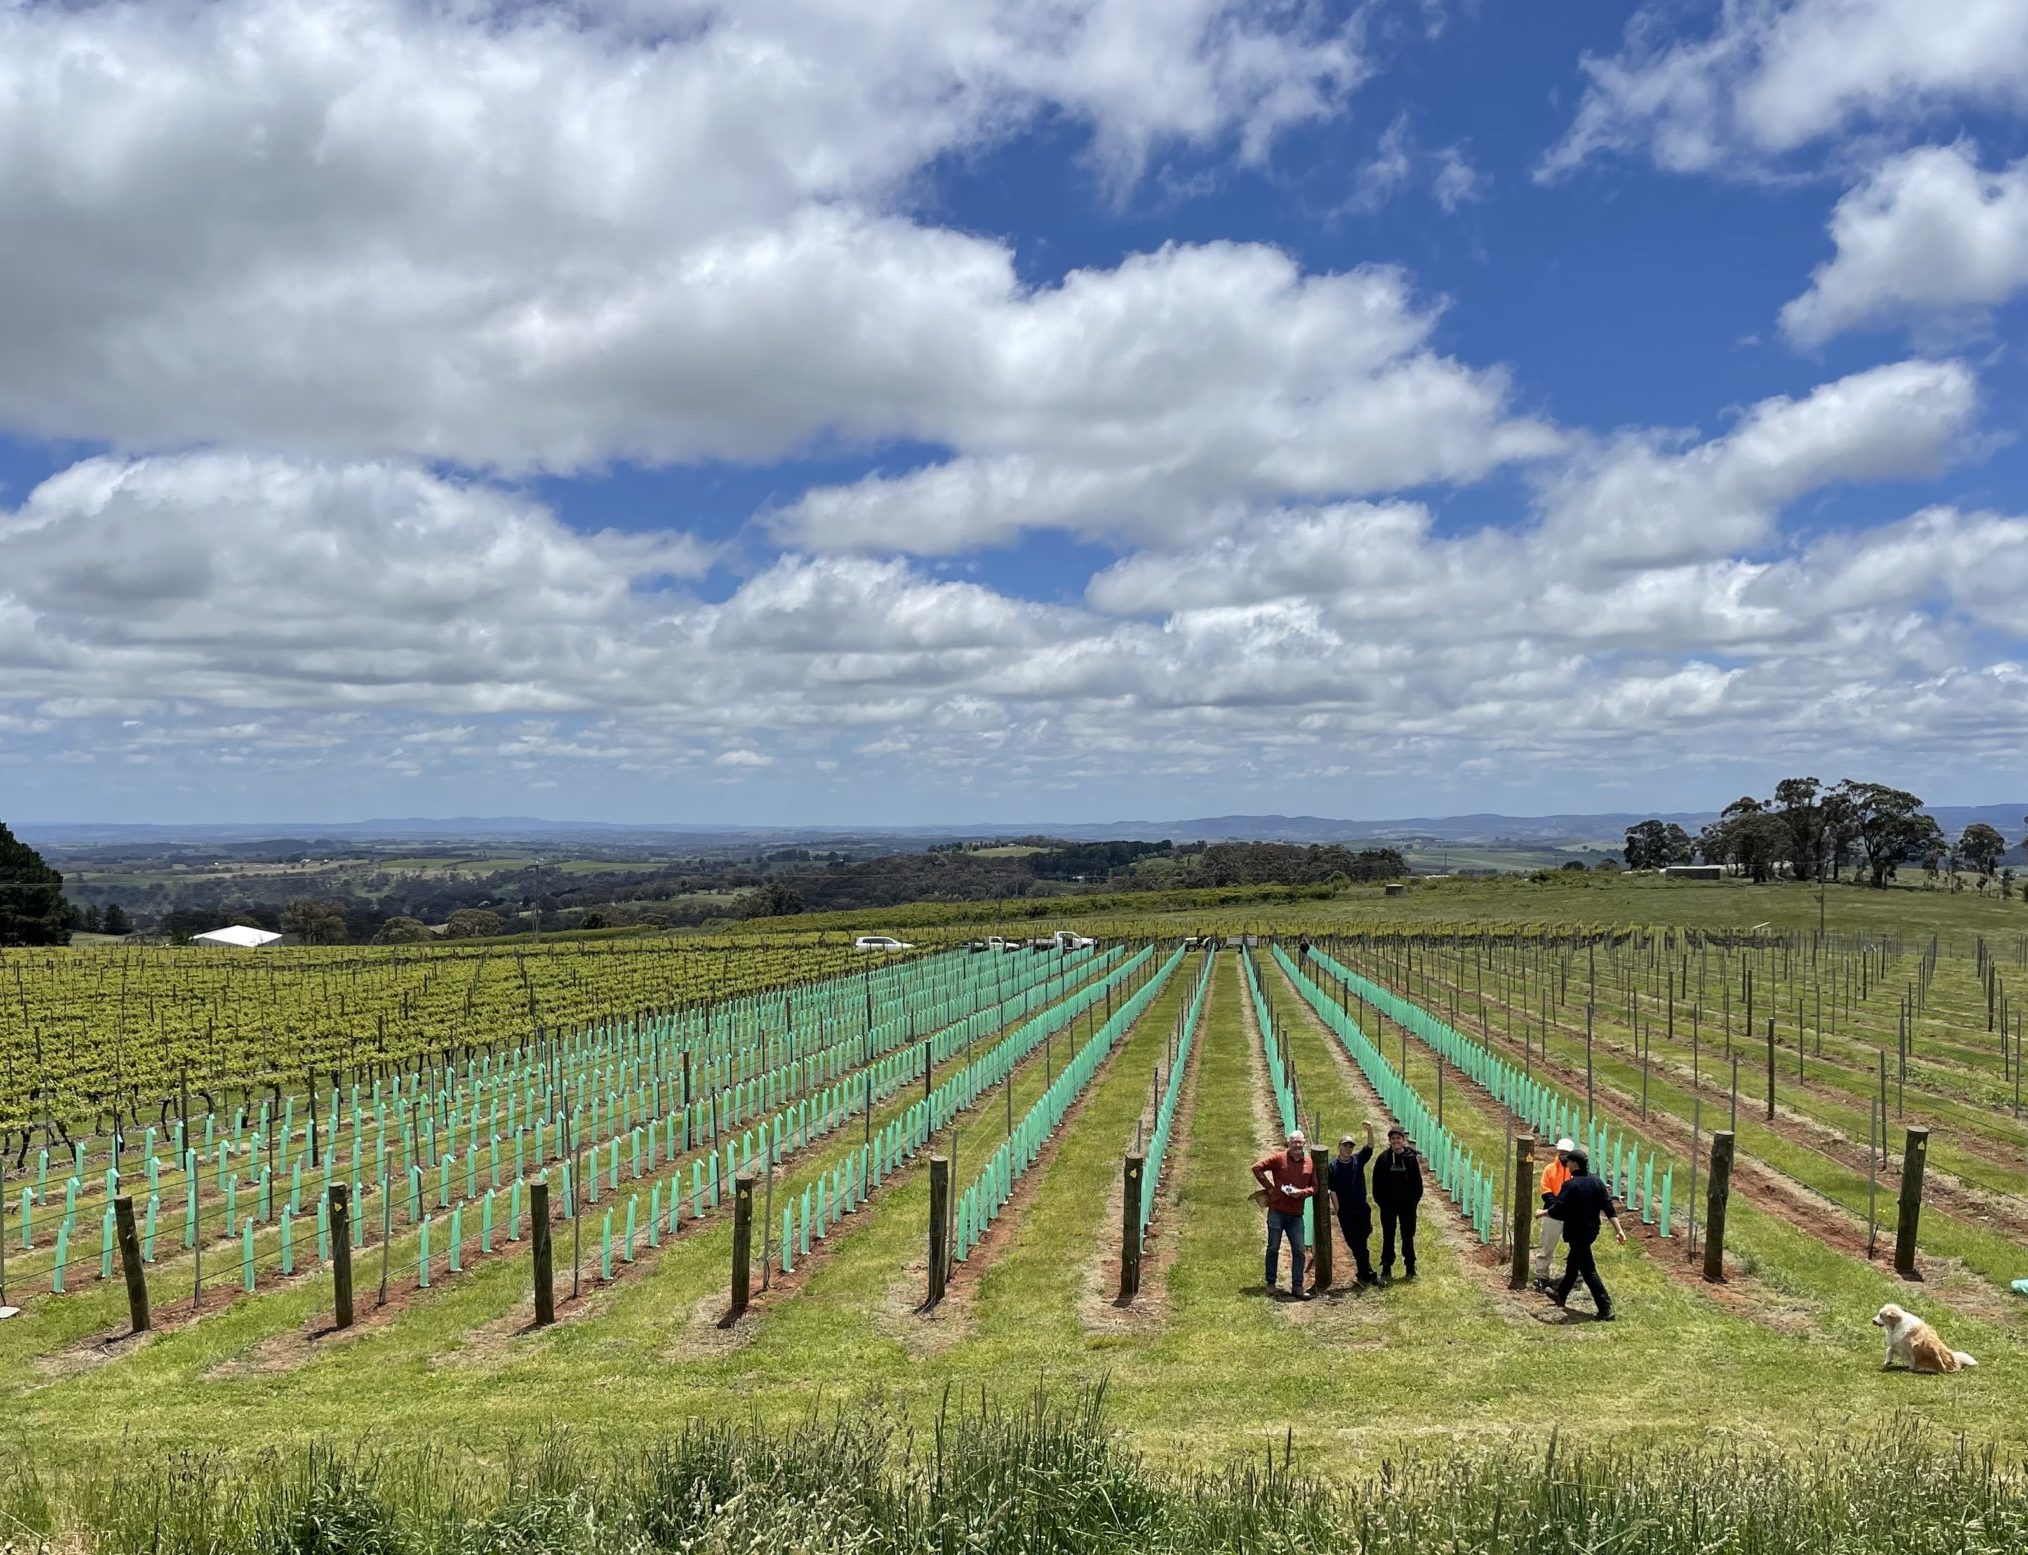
1100, 1308
1941, 1189
1993, 1148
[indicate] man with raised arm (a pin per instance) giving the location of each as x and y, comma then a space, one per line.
1346, 1177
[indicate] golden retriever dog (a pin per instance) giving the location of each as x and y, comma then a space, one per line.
1914, 1343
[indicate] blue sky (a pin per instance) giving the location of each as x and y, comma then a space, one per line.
822, 412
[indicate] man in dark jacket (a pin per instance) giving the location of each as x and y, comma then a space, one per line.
1347, 1177
1582, 1205
1397, 1189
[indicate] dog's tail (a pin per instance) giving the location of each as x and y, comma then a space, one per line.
1964, 1359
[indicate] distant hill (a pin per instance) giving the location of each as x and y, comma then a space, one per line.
1533, 830
1485, 829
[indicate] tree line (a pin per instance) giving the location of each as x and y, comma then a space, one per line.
1811, 830
400, 909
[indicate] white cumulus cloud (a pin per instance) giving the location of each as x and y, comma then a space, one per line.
1928, 232
1774, 76
544, 239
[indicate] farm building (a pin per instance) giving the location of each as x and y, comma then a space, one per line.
237, 934
1694, 872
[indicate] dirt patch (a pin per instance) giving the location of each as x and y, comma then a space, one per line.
1967, 1291
1099, 1308
85, 1355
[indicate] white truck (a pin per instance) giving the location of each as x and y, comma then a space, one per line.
1063, 939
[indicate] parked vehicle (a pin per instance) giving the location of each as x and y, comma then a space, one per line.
880, 942
1063, 939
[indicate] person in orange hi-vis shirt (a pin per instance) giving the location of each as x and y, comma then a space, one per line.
1554, 1176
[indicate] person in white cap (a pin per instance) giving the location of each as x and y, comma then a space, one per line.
1554, 1176
1289, 1183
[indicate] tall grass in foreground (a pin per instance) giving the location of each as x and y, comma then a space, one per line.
1049, 1477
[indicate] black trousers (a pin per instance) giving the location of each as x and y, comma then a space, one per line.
1356, 1226
1578, 1264
1393, 1220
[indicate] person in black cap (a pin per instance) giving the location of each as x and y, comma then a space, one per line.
1347, 1178
1397, 1189
1582, 1204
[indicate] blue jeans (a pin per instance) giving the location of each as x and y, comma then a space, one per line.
1279, 1225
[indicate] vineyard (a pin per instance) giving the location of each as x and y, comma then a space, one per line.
92, 1041
754, 1168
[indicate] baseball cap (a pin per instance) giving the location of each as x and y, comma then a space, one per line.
1346, 1139
1566, 1145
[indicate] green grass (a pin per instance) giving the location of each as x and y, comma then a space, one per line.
1049, 1476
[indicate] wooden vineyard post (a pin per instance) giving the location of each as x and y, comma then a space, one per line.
1714, 1209
1320, 1218
1874, 1127
130, 1264
1770, 1068
1914, 1155
341, 1255
742, 1245
543, 1253
1524, 1210
939, 1227
1130, 1225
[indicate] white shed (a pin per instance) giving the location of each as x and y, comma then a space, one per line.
239, 935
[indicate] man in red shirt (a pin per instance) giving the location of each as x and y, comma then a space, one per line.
1289, 1182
